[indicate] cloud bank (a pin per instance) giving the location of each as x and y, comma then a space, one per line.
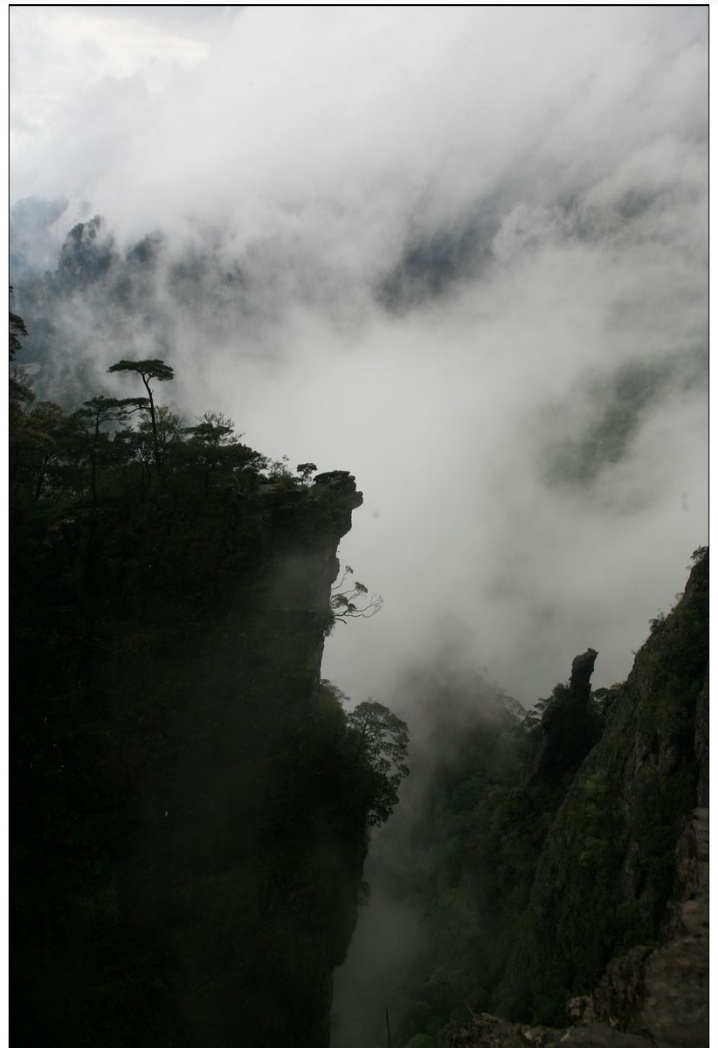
458, 251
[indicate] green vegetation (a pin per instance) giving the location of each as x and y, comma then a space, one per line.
350, 600
379, 742
95, 455
156, 370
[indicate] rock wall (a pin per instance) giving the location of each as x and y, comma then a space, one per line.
647, 996
618, 911
185, 856
664, 992
606, 869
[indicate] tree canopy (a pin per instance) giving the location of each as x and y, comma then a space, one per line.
351, 599
381, 739
148, 370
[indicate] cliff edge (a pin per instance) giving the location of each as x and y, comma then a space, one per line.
186, 845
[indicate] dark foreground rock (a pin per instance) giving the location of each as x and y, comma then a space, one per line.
664, 992
606, 869
647, 996
187, 838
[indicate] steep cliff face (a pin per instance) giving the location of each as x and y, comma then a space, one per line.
606, 870
647, 996
664, 992
187, 841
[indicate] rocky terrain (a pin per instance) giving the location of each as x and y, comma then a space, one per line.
646, 997
613, 913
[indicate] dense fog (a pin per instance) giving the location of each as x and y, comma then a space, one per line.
468, 261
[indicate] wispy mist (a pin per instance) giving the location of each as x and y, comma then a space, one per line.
460, 252
447, 704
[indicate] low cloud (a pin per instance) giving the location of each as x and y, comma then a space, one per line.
460, 252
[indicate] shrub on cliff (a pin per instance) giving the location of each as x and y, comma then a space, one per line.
374, 752
379, 740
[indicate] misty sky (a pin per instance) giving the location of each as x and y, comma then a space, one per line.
473, 251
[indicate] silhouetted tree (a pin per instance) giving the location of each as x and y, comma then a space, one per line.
48, 454
216, 448
305, 470
20, 392
17, 331
351, 600
148, 370
94, 413
381, 739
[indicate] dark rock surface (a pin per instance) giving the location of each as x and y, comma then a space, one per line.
618, 911
702, 732
184, 862
647, 996
606, 870
598, 1035
488, 1031
664, 992
568, 728
581, 673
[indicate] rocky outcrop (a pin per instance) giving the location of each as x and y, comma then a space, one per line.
581, 673
617, 920
186, 848
605, 872
664, 992
487, 1031
656, 997
568, 729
